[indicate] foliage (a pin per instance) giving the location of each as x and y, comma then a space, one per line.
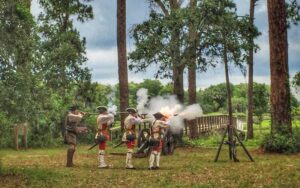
282, 143
164, 39
18, 41
41, 66
62, 49
260, 99
292, 9
296, 81
213, 98
6, 127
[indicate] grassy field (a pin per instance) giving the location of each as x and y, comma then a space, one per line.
188, 167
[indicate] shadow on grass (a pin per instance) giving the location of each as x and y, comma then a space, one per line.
39, 177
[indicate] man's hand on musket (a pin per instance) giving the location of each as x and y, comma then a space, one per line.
84, 113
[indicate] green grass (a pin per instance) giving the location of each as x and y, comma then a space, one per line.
188, 167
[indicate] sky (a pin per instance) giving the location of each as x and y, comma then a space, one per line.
100, 34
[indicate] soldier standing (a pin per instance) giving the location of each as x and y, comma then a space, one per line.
104, 120
129, 136
156, 140
72, 121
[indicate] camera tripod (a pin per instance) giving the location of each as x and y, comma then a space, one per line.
232, 136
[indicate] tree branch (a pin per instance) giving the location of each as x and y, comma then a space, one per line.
162, 6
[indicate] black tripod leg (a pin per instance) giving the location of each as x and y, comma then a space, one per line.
246, 151
230, 144
235, 159
220, 146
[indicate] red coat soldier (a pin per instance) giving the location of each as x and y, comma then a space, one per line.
156, 140
129, 136
104, 120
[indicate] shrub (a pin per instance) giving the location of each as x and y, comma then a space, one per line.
6, 134
282, 143
41, 135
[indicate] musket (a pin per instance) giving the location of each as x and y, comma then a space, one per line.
93, 146
121, 112
89, 113
119, 144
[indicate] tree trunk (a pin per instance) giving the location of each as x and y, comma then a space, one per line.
192, 57
250, 78
122, 57
177, 67
176, 57
178, 81
192, 68
230, 130
280, 91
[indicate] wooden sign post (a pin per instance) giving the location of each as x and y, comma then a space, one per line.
20, 129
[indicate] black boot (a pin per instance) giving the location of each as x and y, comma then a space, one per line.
70, 154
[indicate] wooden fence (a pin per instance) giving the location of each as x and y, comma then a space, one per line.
204, 124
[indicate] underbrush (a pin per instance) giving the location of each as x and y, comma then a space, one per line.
282, 143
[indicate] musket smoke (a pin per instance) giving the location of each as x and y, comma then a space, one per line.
111, 107
142, 99
191, 112
170, 107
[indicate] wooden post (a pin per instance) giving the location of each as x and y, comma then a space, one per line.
22, 128
16, 136
198, 126
24, 140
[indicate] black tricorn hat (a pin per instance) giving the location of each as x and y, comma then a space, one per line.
102, 109
158, 115
74, 107
131, 110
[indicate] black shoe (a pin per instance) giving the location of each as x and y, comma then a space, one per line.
151, 168
131, 168
156, 168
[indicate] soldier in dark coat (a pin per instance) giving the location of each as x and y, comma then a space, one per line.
72, 121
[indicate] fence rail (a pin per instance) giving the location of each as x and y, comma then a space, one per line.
205, 124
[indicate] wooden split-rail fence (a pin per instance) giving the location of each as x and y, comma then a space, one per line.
204, 124
207, 124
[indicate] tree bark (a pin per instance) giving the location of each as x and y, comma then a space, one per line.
250, 78
192, 68
122, 57
192, 57
280, 91
176, 58
230, 129
178, 81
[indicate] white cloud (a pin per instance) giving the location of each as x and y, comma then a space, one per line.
100, 57
102, 51
261, 7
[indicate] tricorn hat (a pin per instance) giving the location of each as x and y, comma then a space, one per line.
158, 115
131, 110
73, 107
102, 109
